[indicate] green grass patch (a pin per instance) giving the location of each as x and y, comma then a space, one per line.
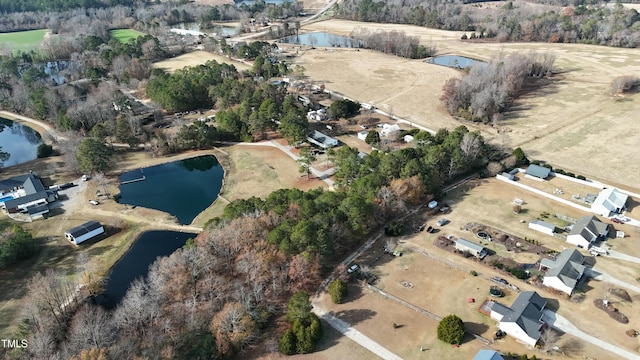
125, 35
20, 40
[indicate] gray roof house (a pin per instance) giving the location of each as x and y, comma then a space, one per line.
29, 195
587, 230
566, 272
322, 140
523, 320
538, 171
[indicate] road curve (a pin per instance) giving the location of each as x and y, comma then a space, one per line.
355, 335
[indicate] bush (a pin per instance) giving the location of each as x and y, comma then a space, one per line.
451, 329
581, 177
521, 158
44, 150
519, 273
288, 343
394, 229
338, 291
474, 273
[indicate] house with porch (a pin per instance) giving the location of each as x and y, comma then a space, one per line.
566, 272
609, 201
587, 230
523, 319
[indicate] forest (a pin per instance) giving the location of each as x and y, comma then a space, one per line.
578, 22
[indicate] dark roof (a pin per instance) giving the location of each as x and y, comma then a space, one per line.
16, 181
33, 185
11, 204
568, 267
38, 209
538, 171
589, 227
84, 228
526, 311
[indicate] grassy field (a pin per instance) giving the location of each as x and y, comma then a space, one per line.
125, 35
197, 58
566, 122
21, 40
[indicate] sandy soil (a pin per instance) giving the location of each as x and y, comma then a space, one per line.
197, 58
564, 123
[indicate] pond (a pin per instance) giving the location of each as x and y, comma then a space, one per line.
18, 143
453, 61
220, 30
182, 188
135, 263
321, 39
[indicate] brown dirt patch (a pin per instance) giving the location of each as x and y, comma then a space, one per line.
197, 58
612, 311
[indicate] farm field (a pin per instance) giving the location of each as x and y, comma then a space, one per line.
197, 58
22, 40
560, 123
125, 35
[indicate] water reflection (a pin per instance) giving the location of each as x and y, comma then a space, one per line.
18, 143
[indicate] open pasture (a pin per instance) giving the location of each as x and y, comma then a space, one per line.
22, 40
125, 35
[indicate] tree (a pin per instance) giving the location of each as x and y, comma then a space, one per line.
373, 138
93, 156
305, 160
299, 306
521, 158
451, 329
44, 150
288, 343
338, 290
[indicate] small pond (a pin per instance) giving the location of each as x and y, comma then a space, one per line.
220, 30
135, 263
182, 188
453, 61
18, 143
321, 39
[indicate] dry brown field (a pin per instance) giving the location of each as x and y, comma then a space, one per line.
573, 123
197, 58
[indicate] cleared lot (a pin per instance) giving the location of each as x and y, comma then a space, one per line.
197, 58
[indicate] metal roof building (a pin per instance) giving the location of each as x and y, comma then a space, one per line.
84, 232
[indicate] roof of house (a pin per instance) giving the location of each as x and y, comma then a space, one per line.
543, 223
538, 171
11, 204
611, 198
84, 228
589, 227
322, 138
568, 267
526, 311
38, 209
488, 355
21, 181
469, 244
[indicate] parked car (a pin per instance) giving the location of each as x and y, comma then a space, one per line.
94, 202
86, 177
500, 280
66, 185
616, 220
442, 222
353, 268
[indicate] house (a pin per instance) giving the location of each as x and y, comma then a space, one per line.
523, 320
587, 230
565, 272
488, 355
609, 200
84, 232
26, 194
322, 140
538, 171
472, 248
362, 135
542, 226
388, 129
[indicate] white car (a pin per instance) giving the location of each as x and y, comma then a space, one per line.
94, 202
353, 268
442, 222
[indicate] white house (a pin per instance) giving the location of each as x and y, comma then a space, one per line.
523, 320
609, 200
565, 272
471, 247
84, 232
587, 230
26, 194
321, 139
388, 129
542, 226
362, 135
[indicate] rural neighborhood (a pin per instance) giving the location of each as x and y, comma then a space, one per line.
319, 179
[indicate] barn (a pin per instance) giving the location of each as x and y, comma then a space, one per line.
84, 232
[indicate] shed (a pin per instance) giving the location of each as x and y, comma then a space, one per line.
542, 226
84, 232
362, 135
538, 171
473, 248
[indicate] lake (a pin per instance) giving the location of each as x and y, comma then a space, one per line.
321, 39
18, 143
181, 188
135, 263
453, 61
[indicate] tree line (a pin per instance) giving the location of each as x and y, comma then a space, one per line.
392, 42
489, 88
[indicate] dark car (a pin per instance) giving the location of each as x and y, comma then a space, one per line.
66, 186
616, 220
500, 280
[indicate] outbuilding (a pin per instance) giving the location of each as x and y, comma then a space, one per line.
84, 232
542, 226
538, 171
472, 248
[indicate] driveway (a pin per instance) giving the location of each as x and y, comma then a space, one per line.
563, 324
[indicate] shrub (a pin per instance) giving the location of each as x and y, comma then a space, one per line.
338, 291
44, 150
581, 177
474, 273
521, 158
288, 343
394, 229
500, 266
451, 329
519, 273
464, 37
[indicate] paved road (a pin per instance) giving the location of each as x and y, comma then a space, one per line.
355, 335
563, 324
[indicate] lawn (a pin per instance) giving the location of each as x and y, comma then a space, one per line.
196, 58
20, 40
125, 35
